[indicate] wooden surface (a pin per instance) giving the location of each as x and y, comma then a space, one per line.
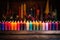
30, 35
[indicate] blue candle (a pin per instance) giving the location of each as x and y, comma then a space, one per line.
53, 26
2, 28
30, 26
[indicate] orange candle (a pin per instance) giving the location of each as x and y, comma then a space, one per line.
15, 25
12, 24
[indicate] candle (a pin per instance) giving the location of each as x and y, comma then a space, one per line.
3, 26
46, 25
27, 25
18, 26
12, 24
43, 25
15, 25
40, 24
9, 25
24, 23
0, 25
49, 25
59, 25
37, 25
6, 25
53, 26
30, 26
33, 23
21, 25
56, 23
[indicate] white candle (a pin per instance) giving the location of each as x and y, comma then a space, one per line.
27, 25
46, 25
43, 25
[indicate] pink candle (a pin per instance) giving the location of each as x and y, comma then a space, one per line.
56, 23
49, 26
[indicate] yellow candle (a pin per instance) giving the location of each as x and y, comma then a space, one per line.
15, 25
37, 24
27, 25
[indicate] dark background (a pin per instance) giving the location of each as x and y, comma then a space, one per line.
3, 5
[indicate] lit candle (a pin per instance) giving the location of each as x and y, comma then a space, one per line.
18, 26
30, 26
46, 25
43, 25
40, 24
27, 25
56, 23
33, 25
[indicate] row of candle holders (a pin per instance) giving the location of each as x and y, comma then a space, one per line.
29, 25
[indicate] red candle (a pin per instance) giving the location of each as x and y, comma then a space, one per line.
18, 25
6, 27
